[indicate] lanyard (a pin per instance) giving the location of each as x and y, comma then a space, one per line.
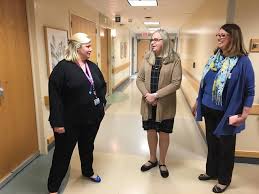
89, 76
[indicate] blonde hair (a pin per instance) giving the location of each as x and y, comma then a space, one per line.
167, 50
74, 44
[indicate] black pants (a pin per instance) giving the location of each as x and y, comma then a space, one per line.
221, 150
64, 146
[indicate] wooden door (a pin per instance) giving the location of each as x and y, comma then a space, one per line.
79, 24
143, 48
18, 133
104, 55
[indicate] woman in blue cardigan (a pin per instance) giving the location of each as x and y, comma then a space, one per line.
225, 97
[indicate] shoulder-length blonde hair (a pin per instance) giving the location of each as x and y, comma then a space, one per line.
74, 43
236, 46
167, 50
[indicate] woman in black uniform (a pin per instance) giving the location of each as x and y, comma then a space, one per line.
77, 98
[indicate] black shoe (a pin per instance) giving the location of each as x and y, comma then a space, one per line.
145, 167
205, 177
217, 189
164, 173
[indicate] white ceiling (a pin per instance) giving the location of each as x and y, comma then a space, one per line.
172, 14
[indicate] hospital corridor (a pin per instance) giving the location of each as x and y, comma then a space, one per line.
155, 96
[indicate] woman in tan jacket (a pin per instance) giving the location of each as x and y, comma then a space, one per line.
158, 79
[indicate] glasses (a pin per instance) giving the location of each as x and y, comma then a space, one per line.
221, 35
155, 40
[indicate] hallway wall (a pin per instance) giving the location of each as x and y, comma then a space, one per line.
247, 16
121, 61
197, 42
197, 37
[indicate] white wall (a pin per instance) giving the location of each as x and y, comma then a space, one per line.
247, 16
123, 35
197, 37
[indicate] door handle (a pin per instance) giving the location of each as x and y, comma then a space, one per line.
1, 92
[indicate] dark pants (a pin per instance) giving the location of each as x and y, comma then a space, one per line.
221, 150
64, 146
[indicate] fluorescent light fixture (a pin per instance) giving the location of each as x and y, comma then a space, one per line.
143, 2
151, 23
153, 29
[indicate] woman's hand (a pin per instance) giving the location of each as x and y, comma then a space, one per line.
154, 103
236, 120
59, 130
150, 98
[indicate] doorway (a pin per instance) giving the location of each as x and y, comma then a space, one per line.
143, 48
18, 131
104, 55
79, 24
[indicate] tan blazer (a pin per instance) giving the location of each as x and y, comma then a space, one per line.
169, 81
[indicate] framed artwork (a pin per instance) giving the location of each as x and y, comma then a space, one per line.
56, 42
254, 45
125, 49
121, 50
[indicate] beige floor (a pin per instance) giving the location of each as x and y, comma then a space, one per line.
121, 148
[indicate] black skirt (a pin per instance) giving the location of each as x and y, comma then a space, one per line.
163, 126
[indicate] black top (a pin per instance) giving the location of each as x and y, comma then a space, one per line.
155, 72
70, 100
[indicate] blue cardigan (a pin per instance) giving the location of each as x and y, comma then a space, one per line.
240, 92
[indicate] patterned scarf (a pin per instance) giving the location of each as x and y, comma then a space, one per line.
223, 67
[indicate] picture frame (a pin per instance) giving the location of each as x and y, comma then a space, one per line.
56, 41
254, 45
125, 49
121, 50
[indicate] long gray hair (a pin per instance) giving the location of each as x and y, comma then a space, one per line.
167, 52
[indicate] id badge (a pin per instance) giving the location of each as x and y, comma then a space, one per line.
96, 101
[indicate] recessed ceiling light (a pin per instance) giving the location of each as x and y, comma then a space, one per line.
151, 23
143, 2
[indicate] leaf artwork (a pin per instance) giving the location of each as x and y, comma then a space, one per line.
56, 43
57, 50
